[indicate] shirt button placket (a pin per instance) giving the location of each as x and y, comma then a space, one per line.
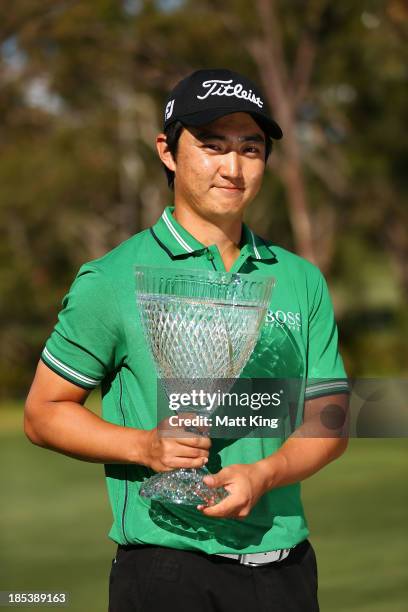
210, 257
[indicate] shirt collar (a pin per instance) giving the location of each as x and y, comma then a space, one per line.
173, 237
179, 242
257, 246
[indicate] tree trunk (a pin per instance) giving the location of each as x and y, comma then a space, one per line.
283, 97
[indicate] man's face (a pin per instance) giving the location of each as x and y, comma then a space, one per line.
219, 166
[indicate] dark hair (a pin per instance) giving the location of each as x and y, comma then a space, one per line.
173, 133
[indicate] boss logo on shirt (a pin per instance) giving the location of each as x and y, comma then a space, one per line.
280, 318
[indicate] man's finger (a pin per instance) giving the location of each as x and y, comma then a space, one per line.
198, 442
188, 451
226, 507
180, 437
217, 480
185, 462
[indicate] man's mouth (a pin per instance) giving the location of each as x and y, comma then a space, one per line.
229, 187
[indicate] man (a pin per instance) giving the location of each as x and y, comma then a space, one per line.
249, 551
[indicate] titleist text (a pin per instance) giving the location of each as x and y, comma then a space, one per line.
216, 87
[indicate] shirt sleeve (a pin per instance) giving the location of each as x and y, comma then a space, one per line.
325, 370
84, 345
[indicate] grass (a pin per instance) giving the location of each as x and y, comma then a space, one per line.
55, 515
357, 515
54, 518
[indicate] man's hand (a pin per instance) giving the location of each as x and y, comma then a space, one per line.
245, 484
169, 452
298, 458
56, 418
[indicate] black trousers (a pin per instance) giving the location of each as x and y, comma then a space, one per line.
153, 578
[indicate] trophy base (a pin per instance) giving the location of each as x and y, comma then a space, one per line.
183, 486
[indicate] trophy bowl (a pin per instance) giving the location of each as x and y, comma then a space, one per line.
200, 325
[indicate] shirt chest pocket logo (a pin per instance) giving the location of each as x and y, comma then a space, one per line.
284, 318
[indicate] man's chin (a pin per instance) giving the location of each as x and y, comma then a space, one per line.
224, 199
230, 206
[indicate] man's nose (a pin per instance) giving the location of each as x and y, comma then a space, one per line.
231, 165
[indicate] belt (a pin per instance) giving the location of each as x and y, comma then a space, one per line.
252, 559
258, 558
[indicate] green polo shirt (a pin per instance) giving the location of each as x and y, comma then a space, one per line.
98, 340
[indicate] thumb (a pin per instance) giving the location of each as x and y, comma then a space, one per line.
215, 480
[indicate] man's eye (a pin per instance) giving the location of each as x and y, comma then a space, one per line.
254, 150
212, 147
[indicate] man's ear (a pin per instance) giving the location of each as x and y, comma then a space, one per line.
164, 152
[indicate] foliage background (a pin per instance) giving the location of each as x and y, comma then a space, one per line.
82, 86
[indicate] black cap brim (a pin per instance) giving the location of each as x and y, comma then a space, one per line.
269, 126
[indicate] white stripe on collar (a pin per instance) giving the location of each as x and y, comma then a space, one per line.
175, 233
257, 255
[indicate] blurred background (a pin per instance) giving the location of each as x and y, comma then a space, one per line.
82, 86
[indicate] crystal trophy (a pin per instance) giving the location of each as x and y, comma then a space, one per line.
199, 325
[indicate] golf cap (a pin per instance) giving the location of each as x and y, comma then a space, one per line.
206, 95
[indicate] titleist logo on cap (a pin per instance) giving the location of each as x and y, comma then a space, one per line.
207, 95
216, 87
